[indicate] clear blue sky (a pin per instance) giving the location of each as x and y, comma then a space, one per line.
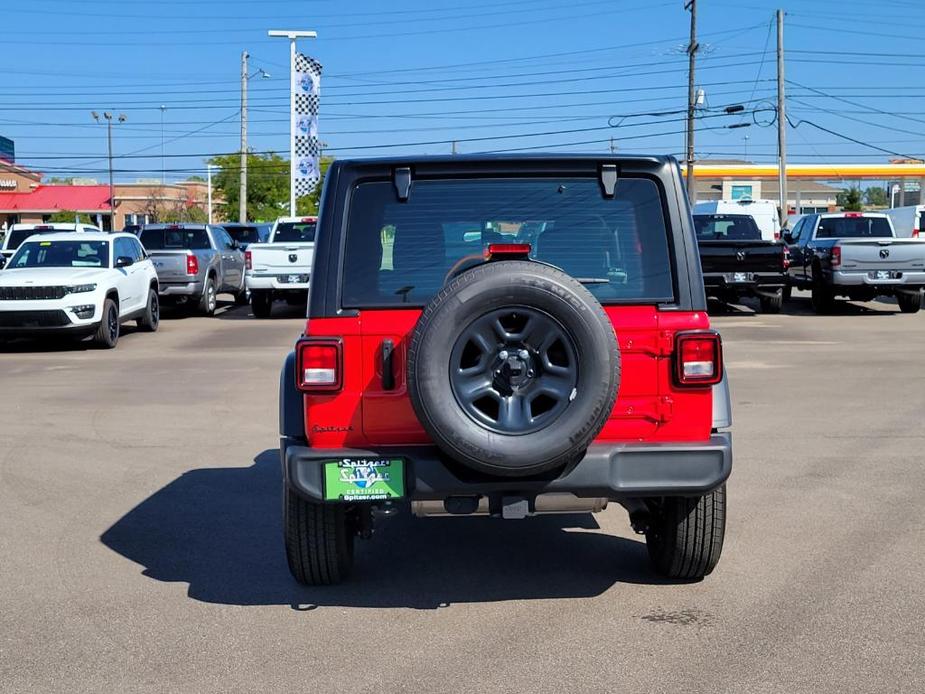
532, 74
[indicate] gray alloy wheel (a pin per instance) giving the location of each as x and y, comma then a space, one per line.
514, 370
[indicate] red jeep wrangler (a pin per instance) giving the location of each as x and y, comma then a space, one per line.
505, 336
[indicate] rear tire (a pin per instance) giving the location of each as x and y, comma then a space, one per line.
261, 303
909, 303
787, 293
319, 540
208, 301
685, 536
772, 304
242, 298
107, 334
151, 319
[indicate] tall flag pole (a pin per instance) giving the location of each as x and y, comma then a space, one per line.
304, 91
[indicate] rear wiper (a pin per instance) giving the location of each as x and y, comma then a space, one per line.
592, 280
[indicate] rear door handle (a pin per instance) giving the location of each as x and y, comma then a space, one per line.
388, 374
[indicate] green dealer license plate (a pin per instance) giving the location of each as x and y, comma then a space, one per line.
364, 479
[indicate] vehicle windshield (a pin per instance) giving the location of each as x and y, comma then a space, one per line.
243, 234
294, 231
175, 239
853, 228
61, 254
17, 236
726, 227
403, 252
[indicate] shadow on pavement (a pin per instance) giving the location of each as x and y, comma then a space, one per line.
63, 343
220, 531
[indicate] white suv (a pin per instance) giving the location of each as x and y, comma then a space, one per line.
78, 284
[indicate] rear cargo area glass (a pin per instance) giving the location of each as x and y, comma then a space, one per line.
853, 228
726, 227
402, 253
175, 239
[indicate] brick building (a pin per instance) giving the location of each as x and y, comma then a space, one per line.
24, 198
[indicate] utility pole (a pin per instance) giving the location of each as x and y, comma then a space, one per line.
163, 167
691, 5
454, 147
781, 120
242, 193
209, 175
112, 196
613, 146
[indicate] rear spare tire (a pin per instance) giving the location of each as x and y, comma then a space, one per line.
513, 368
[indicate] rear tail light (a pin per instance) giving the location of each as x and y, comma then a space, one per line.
319, 365
776, 235
785, 257
836, 256
192, 265
248, 263
915, 233
698, 358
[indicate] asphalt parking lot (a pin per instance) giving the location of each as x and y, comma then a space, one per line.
140, 535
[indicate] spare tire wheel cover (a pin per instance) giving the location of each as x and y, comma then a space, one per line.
513, 368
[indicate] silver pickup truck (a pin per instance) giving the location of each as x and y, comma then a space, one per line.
856, 255
195, 263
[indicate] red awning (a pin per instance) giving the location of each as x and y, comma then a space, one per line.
57, 198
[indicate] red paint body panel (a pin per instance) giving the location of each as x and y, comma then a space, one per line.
649, 407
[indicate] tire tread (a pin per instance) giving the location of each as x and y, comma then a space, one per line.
686, 539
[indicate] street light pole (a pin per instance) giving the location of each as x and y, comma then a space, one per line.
292, 36
112, 196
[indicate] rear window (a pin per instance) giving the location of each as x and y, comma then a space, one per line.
402, 253
853, 228
726, 227
243, 234
287, 232
17, 236
170, 239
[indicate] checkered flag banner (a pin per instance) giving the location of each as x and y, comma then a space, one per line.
306, 88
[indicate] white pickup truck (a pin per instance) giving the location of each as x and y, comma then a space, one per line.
281, 268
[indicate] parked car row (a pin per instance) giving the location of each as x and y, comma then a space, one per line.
857, 255
74, 279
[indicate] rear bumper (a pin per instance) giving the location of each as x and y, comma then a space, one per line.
862, 278
759, 283
614, 471
272, 282
181, 288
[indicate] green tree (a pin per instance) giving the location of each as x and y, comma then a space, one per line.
267, 186
67, 217
57, 181
875, 196
196, 179
849, 200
